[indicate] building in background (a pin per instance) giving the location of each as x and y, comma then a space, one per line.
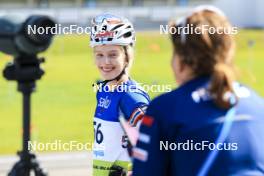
95, 3
243, 13
146, 14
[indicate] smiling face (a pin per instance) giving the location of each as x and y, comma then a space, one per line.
110, 60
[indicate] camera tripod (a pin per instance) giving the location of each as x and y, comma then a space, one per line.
26, 71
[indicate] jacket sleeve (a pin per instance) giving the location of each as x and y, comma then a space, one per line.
148, 158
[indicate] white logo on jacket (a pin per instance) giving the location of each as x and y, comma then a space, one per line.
104, 102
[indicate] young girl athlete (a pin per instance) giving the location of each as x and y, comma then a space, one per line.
118, 97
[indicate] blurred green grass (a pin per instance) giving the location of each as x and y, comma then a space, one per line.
63, 105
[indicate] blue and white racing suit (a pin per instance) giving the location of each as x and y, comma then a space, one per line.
110, 142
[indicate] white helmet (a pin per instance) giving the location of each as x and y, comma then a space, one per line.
113, 30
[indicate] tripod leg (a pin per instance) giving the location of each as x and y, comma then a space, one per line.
19, 169
39, 172
37, 169
26, 164
27, 161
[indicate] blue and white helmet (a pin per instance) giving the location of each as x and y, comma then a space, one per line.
108, 29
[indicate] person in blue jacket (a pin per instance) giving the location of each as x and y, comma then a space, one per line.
118, 96
211, 124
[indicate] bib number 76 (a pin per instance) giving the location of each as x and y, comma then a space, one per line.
98, 134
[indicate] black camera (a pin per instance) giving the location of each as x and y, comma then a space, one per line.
18, 36
22, 39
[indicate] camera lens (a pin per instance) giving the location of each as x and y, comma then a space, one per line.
45, 24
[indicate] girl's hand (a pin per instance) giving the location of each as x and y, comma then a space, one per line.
129, 173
